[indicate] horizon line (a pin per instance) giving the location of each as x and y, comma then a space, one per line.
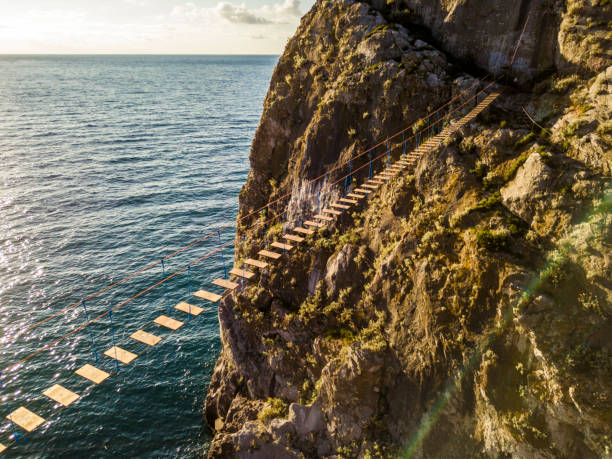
138, 54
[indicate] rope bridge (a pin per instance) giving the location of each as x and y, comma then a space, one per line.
429, 134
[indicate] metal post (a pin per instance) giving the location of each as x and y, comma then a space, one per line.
370, 170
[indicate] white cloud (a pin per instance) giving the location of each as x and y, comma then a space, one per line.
280, 13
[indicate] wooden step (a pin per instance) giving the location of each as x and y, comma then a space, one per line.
189, 308
340, 206
225, 283
280, 245
376, 182
324, 218
355, 195
314, 224
305, 231
293, 238
146, 338
26, 419
332, 211
95, 375
256, 263
169, 322
373, 187
61, 395
123, 356
269, 254
242, 273
209, 296
363, 190
348, 201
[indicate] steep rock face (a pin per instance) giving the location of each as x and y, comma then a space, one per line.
466, 310
558, 35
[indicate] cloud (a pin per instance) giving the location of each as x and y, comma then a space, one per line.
280, 13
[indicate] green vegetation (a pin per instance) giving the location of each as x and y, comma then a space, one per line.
563, 85
572, 128
525, 140
276, 408
510, 173
503, 124
493, 240
489, 203
381, 28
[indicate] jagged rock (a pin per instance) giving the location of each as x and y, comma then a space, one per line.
491, 330
527, 191
306, 419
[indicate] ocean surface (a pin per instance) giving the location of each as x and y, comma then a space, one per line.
108, 164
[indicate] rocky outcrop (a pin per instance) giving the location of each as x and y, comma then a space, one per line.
466, 310
556, 35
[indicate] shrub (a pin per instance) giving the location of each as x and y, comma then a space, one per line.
490, 202
276, 408
561, 86
518, 162
528, 138
493, 240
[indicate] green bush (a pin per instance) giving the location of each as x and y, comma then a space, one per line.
525, 140
490, 202
493, 240
518, 162
276, 408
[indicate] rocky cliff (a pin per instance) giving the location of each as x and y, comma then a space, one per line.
465, 311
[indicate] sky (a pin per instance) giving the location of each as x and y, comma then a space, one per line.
148, 26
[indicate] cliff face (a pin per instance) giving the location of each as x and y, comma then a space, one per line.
465, 311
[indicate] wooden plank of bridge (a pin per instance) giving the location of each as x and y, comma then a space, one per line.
189, 308
305, 231
95, 375
26, 419
61, 395
146, 338
376, 182
169, 322
280, 245
355, 195
293, 238
209, 296
362, 190
256, 263
225, 283
269, 254
2, 447
242, 273
340, 206
314, 224
324, 218
121, 355
348, 201
332, 211
369, 185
